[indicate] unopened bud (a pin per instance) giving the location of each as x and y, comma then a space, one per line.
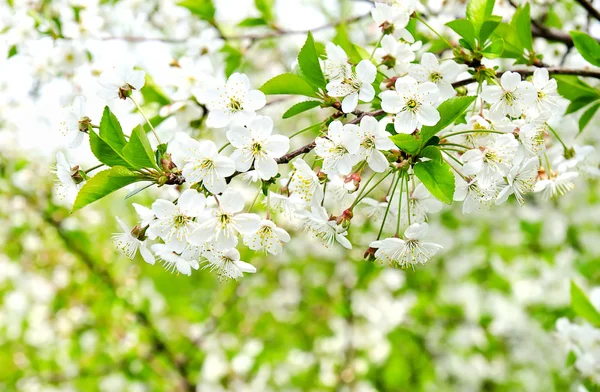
461, 91
345, 218
369, 254
569, 153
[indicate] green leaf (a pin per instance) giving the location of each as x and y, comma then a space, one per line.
437, 178
205, 9
478, 11
488, 27
138, 151
300, 107
308, 61
288, 83
465, 29
432, 153
111, 131
587, 46
571, 87
582, 306
521, 21
407, 143
512, 44
265, 7
579, 103
106, 153
104, 183
12, 51
153, 93
494, 49
587, 116
233, 59
450, 110
252, 22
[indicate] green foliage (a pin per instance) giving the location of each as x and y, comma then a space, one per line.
407, 143
252, 22
587, 46
111, 131
343, 40
300, 108
587, 116
288, 83
106, 153
153, 93
265, 7
521, 21
582, 306
438, 178
450, 110
138, 151
478, 11
104, 183
233, 59
308, 61
465, 29
204, 9
433, 153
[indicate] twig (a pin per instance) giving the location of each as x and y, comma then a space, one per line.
589, 8
551, 70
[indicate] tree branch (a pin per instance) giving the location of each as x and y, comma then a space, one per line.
589, 8
551, 70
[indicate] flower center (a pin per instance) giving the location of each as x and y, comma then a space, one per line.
235, 104
180, 220
224, 220
412, 105
509, 97
256, 148
435, 77
541, 95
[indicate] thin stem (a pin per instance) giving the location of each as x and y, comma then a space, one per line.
306, 129
455, 169
557, 137
224, 147
452, 149
146, 118
420, 19
362, 190
407, 200
254, 200
400, 206
455, 145
373, 187
268, 204
391, 198
453, 158
376, 46
324, 193
93, 168
470, 131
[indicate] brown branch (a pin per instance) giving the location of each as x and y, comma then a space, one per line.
589, 8
527, 72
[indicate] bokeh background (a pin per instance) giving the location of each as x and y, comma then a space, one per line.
75, 315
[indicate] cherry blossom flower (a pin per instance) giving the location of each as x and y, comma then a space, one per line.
389, 17
178, 256
76, 122
339, 148
129, 242
233, 103
255, 145
207, 43
267, 237
304, 183
328, 231
336, 65
412, 103
175, 222
120, 82
521, 180
224, 223
374, 139
204, 164
511, 97
355, 87
557, 185
474, 195
227, 264
69, 179
411, 250
441, 74
546, 89
394, 54
490, 162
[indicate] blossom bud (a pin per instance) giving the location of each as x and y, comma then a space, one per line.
345, 218
369, 254
352, 181
388, 61
461, 91
569, 153
125, 91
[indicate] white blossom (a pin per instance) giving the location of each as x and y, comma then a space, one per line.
227, 263
339, 148
556, 185
355, 87
175, 222
409, 251
328, 231
267, 237
129, 243
512, 97
69, 180
374, 139
204, 164
442, 74
120, 82
76, 122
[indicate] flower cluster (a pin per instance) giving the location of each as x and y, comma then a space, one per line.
424, 143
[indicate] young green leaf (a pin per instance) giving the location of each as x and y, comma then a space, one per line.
233, 59
587, 46
342, 39
512, 43
478, 11
582, 306
465, 29
265, 7
252, 22
494, 49
449, 110
300, 107
571, 87
437, 178
587, 116
104, 183
288, 83
579, 103
308, 61
106, 153
153, 93
432, 153
138, 151
407, 143
111, 131
521, 21
488, 27
205, 9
